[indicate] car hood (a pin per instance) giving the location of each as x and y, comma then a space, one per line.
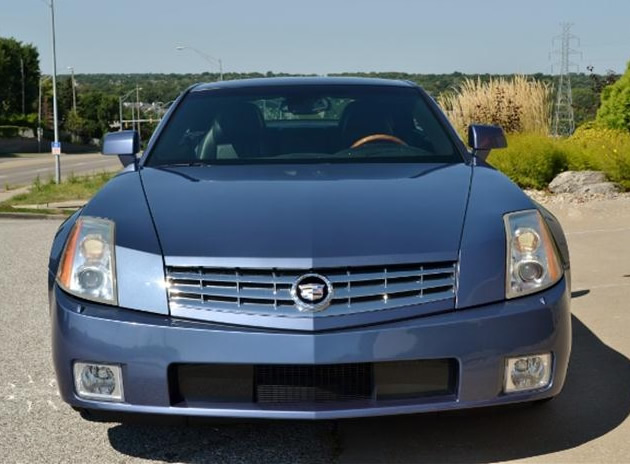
308, 215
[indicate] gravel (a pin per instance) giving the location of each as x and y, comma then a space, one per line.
545, 197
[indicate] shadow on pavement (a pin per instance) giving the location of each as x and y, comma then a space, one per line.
579, 293
594, 401
257, 442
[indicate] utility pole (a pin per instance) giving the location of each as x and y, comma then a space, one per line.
563, 119
124, 97
39, 117
39, 114
23, 87
74, 90
120, 108
138, 109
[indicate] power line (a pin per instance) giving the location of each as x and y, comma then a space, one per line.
563, 119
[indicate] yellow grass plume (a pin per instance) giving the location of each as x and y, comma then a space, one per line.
518, 104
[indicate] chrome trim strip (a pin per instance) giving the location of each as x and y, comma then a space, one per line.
179, 307
307, 264
267, 292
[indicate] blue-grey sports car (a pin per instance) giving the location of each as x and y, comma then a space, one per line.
307, 248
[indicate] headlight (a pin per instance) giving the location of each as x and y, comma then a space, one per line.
88, 268
532, 258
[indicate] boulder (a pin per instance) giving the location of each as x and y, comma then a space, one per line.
574, 181
602, 188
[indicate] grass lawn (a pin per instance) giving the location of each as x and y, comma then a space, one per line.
41, 193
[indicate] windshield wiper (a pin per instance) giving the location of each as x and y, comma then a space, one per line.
187, 164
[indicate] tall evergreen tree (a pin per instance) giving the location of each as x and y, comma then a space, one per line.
19, 77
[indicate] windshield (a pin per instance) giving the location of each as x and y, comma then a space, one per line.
307, 123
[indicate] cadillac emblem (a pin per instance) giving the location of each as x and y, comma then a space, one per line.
312, 293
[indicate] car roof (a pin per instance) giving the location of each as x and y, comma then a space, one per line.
297, 81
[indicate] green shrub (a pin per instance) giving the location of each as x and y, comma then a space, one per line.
9, 131
29, 120
37, 184
602, 149
614, 111
533, 160
530, 160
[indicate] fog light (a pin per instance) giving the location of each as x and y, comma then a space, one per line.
527, 373
98, 381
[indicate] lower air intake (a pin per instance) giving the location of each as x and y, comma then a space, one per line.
274, 384
313, 384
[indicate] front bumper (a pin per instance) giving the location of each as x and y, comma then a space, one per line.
146, 345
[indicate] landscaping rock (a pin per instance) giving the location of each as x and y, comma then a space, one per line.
578, 187
600, 188
575, 181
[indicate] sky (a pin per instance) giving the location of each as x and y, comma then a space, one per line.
320, 36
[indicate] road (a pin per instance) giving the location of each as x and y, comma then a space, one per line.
587, 423
23, 170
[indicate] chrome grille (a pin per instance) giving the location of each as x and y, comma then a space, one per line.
267, 292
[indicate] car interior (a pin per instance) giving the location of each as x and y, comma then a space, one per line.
241, 128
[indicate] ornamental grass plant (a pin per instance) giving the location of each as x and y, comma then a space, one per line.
522, 107
518, 104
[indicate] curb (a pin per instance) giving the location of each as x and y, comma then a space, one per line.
6, 195
32, 216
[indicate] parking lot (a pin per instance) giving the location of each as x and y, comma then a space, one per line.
586, 423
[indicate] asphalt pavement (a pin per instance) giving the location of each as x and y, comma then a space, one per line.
22, 170
588, 422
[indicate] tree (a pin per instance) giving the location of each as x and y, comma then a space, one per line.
97, 110
64, 99
585, 104
614, 111
76, 124
16, 57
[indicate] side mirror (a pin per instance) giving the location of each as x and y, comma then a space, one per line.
482, 139
124, 144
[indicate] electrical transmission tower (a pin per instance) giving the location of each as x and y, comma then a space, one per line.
563, 120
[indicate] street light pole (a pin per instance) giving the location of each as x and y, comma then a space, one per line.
56, 146
210, 59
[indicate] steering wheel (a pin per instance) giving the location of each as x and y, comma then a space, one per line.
378, 138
